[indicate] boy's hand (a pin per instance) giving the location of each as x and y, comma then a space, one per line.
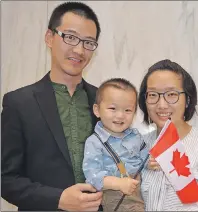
153, 164
128, 185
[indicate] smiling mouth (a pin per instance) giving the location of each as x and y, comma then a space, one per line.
75, 60
118, 122
164, 115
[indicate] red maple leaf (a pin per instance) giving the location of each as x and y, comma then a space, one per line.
180, 164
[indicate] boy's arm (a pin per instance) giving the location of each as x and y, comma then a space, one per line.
95, 173
93, 163
126, 185
111, 182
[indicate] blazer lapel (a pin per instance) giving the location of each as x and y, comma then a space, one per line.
47, 102
91, 93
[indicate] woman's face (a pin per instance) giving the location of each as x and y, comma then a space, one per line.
162, 81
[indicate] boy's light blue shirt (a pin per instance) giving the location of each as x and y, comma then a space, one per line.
98, 162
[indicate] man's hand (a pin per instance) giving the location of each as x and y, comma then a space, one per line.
73, 198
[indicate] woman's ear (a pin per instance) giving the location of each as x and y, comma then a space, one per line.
96, 110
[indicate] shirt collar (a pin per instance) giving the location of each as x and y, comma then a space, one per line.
62, 87
104, 135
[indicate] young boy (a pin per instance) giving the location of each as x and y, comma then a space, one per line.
116, 105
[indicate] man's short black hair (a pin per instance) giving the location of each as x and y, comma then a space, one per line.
77, 8
187, 83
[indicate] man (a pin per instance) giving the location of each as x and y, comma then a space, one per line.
45, 125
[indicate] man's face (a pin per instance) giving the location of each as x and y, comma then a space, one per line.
66, 58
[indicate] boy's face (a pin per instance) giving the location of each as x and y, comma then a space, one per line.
116, 109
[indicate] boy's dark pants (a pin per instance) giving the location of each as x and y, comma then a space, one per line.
132, 202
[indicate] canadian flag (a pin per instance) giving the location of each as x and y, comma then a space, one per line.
170, 153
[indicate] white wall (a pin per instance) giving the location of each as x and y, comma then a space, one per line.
135, 34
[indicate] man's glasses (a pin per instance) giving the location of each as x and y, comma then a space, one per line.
171, 97
74, 41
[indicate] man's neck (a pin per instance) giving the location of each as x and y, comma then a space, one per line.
70, 81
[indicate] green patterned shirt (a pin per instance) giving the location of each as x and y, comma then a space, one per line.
76, 121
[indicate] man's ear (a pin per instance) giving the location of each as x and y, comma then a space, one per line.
49, 38
96, 110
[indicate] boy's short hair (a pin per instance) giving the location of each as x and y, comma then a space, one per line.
118, 83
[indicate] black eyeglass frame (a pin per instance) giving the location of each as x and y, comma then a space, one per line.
159, 94
61, 34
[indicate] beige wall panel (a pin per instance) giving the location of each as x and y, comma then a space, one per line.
135, 34
23, 49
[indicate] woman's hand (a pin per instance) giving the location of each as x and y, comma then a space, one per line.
153, 164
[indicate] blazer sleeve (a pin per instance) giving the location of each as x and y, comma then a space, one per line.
17, 188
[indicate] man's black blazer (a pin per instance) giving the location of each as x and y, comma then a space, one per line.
35, 164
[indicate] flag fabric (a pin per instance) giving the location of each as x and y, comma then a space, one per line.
170, 153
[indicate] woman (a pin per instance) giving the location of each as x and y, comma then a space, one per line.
168, 91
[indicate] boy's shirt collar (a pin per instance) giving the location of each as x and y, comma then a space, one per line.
104, 135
